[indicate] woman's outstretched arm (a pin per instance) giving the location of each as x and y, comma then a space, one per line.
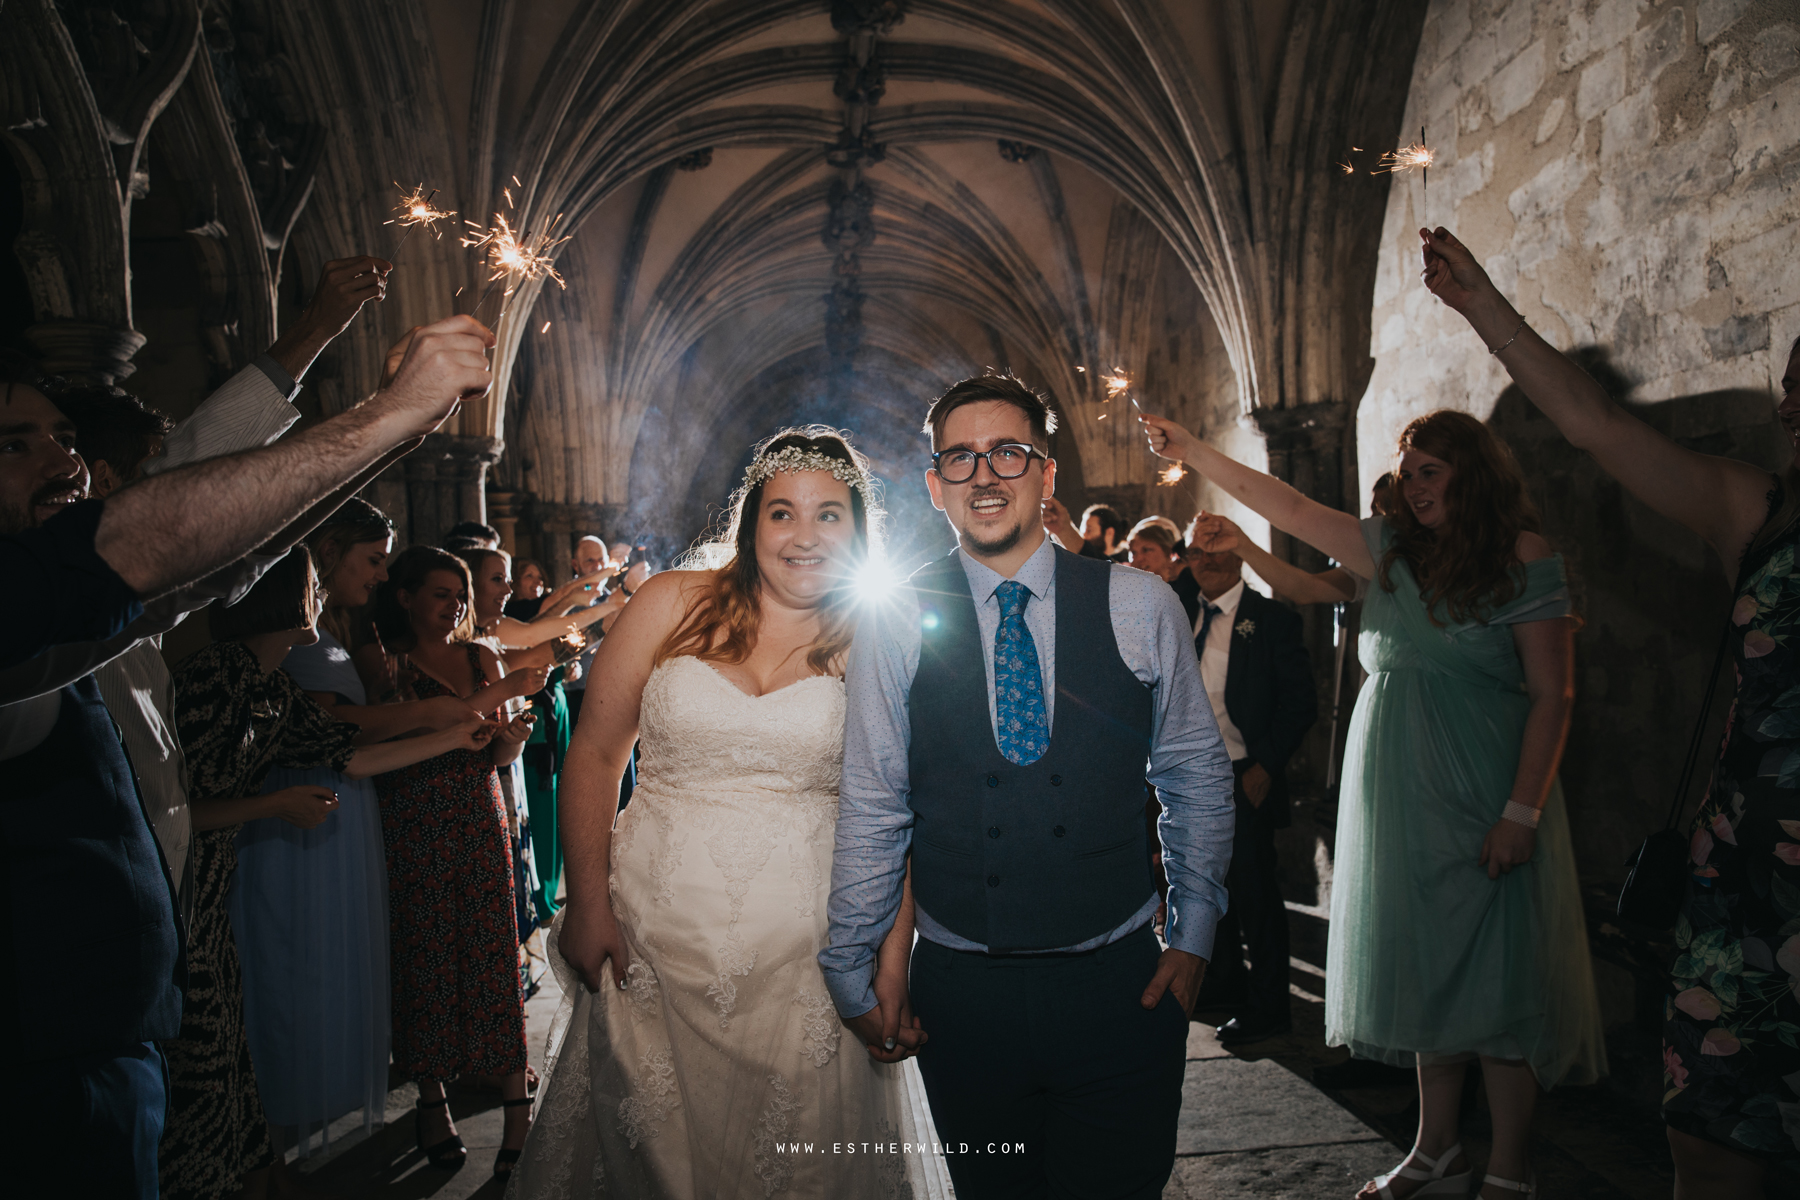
1218, 534
1326, 530
1722, 499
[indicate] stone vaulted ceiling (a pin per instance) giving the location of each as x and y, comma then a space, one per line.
829, 209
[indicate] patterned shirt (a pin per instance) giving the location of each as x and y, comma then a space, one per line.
1187, 764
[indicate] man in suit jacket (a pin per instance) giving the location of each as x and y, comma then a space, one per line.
1256, 673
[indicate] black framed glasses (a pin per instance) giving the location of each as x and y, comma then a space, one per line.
1008, 460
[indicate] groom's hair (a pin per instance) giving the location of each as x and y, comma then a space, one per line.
1007, 389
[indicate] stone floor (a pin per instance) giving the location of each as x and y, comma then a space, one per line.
1252, 1124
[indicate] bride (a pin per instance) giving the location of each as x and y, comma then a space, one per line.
701, 1043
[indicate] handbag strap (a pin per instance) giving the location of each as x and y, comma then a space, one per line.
1698, 740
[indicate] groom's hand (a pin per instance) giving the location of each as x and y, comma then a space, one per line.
884, 1026
590, 937
1180, 971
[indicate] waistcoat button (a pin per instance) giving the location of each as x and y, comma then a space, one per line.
993, 781
1056, 781
993, 831
1058, 831
993, 881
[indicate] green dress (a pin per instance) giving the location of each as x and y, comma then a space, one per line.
544, 752
1427, 955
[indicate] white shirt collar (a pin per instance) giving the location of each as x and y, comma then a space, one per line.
1227, 604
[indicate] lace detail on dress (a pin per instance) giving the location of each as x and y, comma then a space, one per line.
820, 1023
735, 958
641, 991
642, 1114
776, 1170
667, 860
891, 1170
803, 866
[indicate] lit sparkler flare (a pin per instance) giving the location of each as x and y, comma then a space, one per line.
1416, 157
1117, 382
415, 211
1171, 475
513, 255
1346, 168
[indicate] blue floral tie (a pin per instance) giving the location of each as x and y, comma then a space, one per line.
1023, 730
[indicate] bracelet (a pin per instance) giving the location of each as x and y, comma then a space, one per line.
1521, 814
1509, 341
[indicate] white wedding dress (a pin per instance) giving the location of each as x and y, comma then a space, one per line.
724, 1050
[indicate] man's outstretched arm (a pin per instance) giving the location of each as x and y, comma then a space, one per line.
178, 527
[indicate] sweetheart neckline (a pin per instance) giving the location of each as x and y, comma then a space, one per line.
722, 678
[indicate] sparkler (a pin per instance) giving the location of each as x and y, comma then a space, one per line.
514, 255
413, 211
1171, 475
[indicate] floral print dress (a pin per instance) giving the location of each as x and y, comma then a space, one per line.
1731, 1034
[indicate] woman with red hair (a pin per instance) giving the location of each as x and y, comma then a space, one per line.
1456, 920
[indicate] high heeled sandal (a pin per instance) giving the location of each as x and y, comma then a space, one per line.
504, 1160
1436, 1183
448, 1154
1528, 1189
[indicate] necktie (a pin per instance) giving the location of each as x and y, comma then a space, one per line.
1206, 620
1022, 730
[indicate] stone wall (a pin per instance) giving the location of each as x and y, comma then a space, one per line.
1627, 172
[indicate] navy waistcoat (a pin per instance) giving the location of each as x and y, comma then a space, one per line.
94, 954
1054, 852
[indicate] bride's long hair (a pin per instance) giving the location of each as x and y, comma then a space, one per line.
722, 623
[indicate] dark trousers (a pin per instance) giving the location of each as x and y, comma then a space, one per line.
85, 1126
1046, 1076
1256, 922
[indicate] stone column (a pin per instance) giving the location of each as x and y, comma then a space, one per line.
84, 351
445, 480
503, 514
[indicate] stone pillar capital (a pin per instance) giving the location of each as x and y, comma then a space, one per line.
85, 352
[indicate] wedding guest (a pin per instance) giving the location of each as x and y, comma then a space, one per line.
1456, 916
1258, 678
1209, 534
548, 744
590, 558
87, 1092
1725, 1103
477, 534
1103, 533
1154, 545
457, 1005
238, 715
309, 907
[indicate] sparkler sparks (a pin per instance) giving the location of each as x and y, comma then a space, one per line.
413, 212
1416, 157
1171, 475
1116, 383
515, 256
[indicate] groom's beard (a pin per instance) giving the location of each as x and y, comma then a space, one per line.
999, 545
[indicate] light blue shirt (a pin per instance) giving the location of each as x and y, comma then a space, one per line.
1187, 764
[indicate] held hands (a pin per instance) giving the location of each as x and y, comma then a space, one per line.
1176, 971
890, 1031
303, 805
1257, 784
1451, 272
1507, 845
1168, 439
589, 939
433, 369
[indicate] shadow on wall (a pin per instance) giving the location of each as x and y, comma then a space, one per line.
1654, 597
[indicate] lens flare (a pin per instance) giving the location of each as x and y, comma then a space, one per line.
875, 581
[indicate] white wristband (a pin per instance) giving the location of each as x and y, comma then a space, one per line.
1521, 814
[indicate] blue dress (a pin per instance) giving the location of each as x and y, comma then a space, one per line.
311, 917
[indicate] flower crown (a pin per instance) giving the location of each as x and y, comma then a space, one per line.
793, 459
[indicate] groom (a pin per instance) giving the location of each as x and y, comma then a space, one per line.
1004, 713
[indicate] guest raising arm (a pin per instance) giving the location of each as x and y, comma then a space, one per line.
1210, 533
1728, 1133
1450, 785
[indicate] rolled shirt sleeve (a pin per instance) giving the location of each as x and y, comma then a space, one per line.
875, 819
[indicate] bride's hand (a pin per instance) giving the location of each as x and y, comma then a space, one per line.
591, 936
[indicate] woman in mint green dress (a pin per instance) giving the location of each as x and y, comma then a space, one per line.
1456, 920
